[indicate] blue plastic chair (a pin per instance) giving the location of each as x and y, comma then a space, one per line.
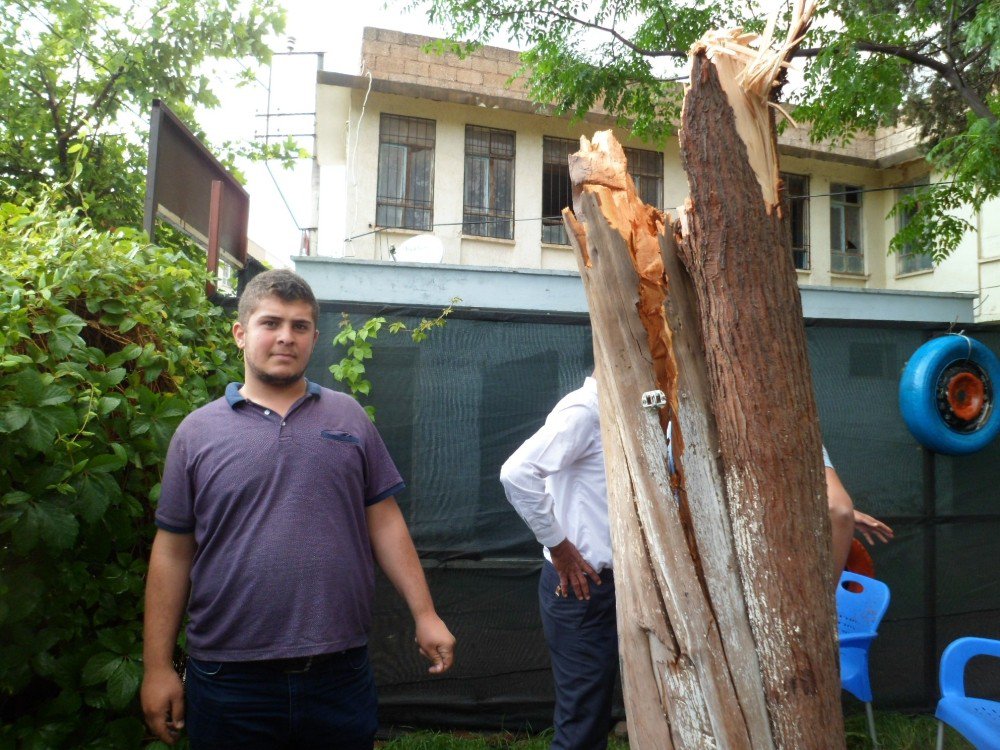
976, 719
859, 613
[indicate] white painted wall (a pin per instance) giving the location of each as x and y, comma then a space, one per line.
358, 204
348, 132
988, 257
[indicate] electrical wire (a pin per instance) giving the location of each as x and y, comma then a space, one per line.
352, 160
436, 225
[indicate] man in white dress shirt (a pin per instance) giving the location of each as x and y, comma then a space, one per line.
556, 483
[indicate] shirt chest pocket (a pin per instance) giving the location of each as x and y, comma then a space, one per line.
340, 437
341, 457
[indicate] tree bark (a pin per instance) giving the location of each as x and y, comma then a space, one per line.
726, 610
736, 250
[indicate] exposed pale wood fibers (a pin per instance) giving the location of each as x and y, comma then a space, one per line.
750, 70
678, 683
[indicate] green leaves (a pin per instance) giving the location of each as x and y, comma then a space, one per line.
121, 675
984, 31
42, 522
88, 403
40, 415
73, 71
359, 341
969, 165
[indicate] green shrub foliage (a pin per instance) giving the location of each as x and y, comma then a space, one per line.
106, 343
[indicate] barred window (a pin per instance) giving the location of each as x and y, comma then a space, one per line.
646, 168
557, 191
797, 192
405, 193
910, 258
489, 183
847, 253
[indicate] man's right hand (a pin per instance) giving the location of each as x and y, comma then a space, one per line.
573, 570
162, 698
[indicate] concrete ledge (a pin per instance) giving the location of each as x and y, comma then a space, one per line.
434, 285
507, 102
536, 291
842, 303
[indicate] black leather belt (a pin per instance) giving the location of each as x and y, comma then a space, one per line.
297, 664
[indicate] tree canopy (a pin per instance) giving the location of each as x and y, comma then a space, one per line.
934, 64
80, 76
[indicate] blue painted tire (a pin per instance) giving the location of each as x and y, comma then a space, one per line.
947, 395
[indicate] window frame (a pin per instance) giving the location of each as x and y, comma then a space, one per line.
922, 261
491, 220
646, 168
798, 200
553, 162
843, 258
413, 149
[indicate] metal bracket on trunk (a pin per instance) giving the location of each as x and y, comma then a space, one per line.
654, 399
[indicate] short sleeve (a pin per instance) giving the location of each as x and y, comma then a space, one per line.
175, 510
826, 459
382, 478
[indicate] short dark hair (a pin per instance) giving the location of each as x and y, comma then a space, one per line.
281, 283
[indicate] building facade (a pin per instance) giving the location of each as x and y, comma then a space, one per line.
436, 158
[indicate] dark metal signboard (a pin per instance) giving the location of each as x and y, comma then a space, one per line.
187, 187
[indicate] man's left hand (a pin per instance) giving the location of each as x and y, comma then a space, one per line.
436, 643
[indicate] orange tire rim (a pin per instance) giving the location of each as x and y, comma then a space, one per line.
966, 395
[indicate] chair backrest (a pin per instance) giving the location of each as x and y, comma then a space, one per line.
861, 603
957, 656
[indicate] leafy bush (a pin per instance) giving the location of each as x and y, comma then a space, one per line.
106, 342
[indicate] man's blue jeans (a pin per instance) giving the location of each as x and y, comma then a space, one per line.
327, 703
583, 645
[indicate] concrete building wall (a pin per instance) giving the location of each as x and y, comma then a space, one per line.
988, 261
524, 251
400, 79
399, 56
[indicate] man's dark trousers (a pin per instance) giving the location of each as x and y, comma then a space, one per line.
583, 645
326, 702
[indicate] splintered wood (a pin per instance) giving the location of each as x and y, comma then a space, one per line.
725, 603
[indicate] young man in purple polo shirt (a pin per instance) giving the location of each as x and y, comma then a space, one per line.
276, 503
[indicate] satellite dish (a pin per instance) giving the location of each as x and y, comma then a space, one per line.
423, 248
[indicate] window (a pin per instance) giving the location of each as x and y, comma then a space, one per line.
489, 183
797, 192
646, 168
556, 187
846, 251
405, 195
909, 259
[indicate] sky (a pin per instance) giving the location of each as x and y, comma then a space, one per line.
280, 199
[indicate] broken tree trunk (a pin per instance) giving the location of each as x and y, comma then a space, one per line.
726, 614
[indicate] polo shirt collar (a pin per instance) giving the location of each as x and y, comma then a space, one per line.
234, 397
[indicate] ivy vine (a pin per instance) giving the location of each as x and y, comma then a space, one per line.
351, 369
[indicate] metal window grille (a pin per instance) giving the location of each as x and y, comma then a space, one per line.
646, 168
556, 187
797, 191
489, 183
846, 248
405, 193
910, 259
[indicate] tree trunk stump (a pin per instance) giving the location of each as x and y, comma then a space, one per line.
725, 600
